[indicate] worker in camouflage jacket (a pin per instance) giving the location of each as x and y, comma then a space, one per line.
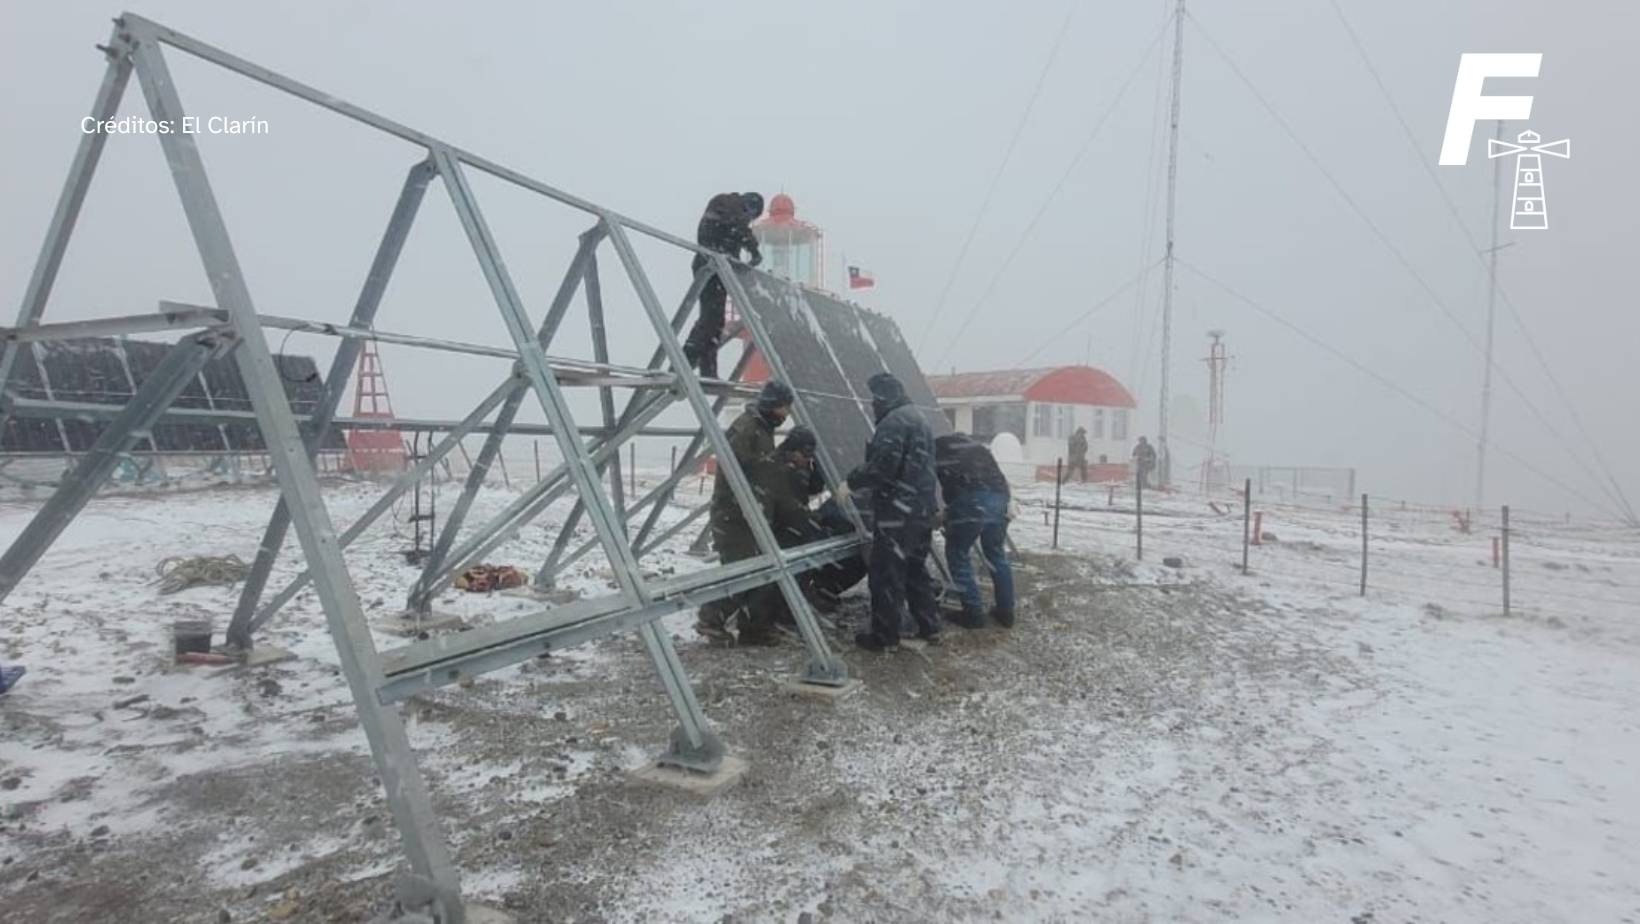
751, 439
726, 227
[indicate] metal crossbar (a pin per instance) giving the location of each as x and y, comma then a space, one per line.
234, 327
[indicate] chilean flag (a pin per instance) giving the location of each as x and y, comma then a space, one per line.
859, 278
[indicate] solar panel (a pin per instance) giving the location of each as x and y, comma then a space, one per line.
107, 371
829, 348
890, 347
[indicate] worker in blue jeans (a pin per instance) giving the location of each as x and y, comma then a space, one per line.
976, 510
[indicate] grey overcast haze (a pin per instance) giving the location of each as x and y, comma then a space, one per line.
886, 122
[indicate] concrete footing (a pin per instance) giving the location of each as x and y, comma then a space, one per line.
263, 655
692, 783
820, 692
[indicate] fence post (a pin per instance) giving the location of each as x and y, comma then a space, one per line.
673, 466
632, 468
1258, 528
1363, 545
537, 445
1247, 518
1139, 511
1506, 559
1058, 479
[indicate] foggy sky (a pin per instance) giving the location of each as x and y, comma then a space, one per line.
885, 121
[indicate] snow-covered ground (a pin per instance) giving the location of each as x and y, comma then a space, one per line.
1150, 744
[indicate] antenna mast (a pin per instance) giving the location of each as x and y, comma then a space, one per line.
1491, 310
1166, 461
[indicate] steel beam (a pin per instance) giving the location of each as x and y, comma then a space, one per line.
606, 397
458, 514
824, 667
655, 500
537, 499
324, 411
447, 659
546, 576
401, 780
777, 368
606, 404
690, 454
115, 77
81, 410
675, 528
403, 483
179, 318
325, 100
581, 467
181, 363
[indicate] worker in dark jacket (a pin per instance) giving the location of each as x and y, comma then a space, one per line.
976, 510
899, 470
1078, 455
726, 227
751, 439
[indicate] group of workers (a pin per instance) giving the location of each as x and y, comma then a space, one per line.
895, 493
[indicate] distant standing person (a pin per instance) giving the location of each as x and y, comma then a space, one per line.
726, 227
899, 470
1144, 457
976, 510
1079, 454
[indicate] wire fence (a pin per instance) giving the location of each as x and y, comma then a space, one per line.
1446, 559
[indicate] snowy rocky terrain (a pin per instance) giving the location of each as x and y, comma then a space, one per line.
1152, 743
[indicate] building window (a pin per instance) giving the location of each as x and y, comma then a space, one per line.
1097, 431
1067, 420
1043, 424
951, 417
992, 420
1119, 424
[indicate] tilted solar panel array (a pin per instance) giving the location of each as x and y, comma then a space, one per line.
106, 371
829, 348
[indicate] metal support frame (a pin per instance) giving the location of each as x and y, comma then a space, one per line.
347, 353
655, 500
555, 562
453, 520
377, 679
432, 868
823, 667
115, 77
403, 483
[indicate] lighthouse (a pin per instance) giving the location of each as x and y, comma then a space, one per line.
792, 249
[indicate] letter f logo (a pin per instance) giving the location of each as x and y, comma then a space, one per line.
1469, 105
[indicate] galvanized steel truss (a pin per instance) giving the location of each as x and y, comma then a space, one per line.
234, 327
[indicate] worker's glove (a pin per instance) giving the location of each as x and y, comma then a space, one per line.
842, 494
1013, 508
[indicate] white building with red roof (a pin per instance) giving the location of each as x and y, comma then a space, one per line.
1040, 409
